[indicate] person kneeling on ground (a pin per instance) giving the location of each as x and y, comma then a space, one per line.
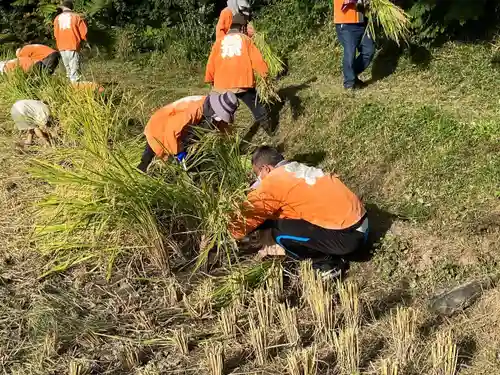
302, 212
231, 66
44, 57
31, 116
168, 130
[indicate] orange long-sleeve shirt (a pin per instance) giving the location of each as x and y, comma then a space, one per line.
167, 125
25, 63
224, 23
296, 191
347, 15
37, 52
232, 63
69, 31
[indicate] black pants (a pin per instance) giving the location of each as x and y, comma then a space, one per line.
251, 100
303, 240
49, 63
146, 159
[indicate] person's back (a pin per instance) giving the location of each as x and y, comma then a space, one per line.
297, 191
37, 52
24, 63
69, 31
166, 124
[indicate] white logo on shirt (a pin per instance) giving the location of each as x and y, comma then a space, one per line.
310, 174
64, 21
231, 46
192, 98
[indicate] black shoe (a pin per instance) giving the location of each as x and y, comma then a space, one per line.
359, 84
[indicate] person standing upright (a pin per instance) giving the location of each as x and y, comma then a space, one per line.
69, 31
233, 8
350, 24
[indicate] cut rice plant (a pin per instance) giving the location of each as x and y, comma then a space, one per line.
388, 367
404, 332
258, 336
444, 355
388, 19
319, 297
349, 302
267, 90
199, 303
228, 319
180, 341
346, 345
302, 361
288, 321
214, 357
264, 306
78, 367
242, 278
274, 282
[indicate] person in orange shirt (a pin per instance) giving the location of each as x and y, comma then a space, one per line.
231, 66
69, 31
226, 17
168, 132
305, 212
350, 25
45, 57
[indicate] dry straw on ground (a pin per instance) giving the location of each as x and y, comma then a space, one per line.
346, 343
180, 340
258, 337
349, 303
228, 319
214, 356
264, 306
287, 318
403, 335
302, 361
444, 355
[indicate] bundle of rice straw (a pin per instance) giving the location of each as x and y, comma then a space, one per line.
267, 87
392, 21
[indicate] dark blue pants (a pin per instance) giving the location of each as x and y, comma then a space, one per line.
353, 38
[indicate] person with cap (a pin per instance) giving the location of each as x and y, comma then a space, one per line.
31, 116
302, 212
233, 8
168, 132
70, 31
43, 56
350, 24
231, 66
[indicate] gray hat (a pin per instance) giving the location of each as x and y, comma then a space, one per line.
224, 105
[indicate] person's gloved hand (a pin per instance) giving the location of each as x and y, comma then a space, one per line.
181, 156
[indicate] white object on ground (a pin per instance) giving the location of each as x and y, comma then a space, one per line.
29, 114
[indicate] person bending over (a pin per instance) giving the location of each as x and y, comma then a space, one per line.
31, 116
23, 63
43, 56
231, 66
167, 132
304, 213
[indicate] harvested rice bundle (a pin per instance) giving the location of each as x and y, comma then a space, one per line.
266, 87
391, 20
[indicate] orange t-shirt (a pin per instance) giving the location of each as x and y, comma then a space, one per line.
165, 128
25, 63
224, 23
37, 52
296, 191
69, 30
349, 15
232, 63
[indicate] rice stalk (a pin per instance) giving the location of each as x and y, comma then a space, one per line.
403, 331
319, 297
214, 356
349, 302
287, 318
78, 367
388, 367
347, 351
302, 361
228, 319
170, 292
180, 341
267, 90
264, 306
392, 21
274, 282
444, 355
258, 336
199, 303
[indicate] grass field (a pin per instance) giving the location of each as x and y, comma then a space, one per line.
420, 145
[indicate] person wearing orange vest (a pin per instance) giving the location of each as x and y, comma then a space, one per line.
45, 57
169, 131
226, 17
350, 25
231, 66
307, 213
70, 31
